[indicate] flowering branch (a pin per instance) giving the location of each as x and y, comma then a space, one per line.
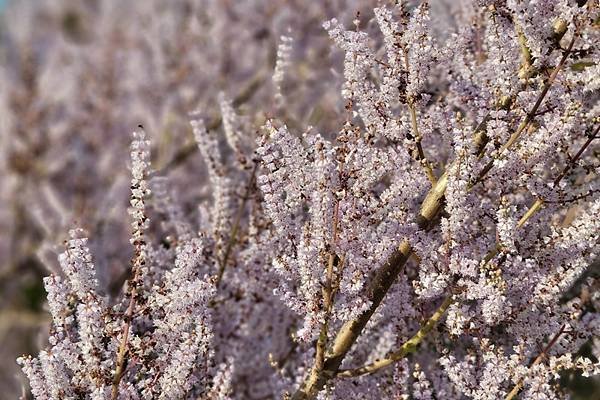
387, 273
539, 202
408, 347
411, 344
140, 155
338, 217
537, 360
532, 113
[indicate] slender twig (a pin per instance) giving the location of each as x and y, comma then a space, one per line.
573, 199
236, 227
138, 261
327, 297
531, 114
539, 202
577, 156
418, 139
328, 291
537, 360
123, 346
420, 156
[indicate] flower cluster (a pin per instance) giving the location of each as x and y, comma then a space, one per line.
166, 332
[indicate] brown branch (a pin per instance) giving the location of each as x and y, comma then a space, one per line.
573, 199
420, 153
577, 156
408, 347
420, 156
123, 346
538, 360
539, 202
138, 262
328, 293
530, 116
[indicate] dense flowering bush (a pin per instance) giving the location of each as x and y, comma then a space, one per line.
430, 239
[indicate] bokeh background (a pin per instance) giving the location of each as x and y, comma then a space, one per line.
76, 76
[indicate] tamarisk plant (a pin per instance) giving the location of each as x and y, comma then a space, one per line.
436, 246
92, 350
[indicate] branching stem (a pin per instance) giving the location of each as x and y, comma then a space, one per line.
123, 346
539, 202
538, 360
408, 347
530, 116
